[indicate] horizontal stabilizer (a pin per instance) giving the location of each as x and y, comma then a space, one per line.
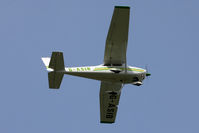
57, 65
55, 79
57, 61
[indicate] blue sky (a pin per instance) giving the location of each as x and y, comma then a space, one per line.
162, 34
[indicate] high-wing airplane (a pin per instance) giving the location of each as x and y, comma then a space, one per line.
113, 73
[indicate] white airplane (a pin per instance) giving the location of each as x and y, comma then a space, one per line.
113, 73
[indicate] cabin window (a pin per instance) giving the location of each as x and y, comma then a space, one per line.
112, 64
117, 64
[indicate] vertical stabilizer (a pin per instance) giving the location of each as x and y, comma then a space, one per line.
46, 61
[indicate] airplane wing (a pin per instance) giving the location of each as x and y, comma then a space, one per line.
109, 100
116, 42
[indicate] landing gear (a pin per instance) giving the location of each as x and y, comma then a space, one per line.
136, 81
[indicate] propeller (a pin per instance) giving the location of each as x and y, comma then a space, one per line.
147, 73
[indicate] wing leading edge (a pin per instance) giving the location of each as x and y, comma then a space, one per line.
109, 100
117, 38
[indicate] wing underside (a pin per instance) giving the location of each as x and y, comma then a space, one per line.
116, 42
109, 100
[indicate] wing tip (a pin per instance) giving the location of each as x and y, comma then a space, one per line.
106, 122
125, 7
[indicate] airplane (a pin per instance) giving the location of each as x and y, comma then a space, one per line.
113, 73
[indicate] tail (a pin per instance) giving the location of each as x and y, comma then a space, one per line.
56, 68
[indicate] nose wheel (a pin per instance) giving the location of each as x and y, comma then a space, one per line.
138, 83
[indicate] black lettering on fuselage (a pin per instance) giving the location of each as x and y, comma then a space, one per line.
109, 116
111, 105
113, 95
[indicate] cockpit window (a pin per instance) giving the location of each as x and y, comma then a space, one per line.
117, 64
107, 64
112, 64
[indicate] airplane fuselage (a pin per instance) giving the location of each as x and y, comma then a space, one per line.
132, 75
